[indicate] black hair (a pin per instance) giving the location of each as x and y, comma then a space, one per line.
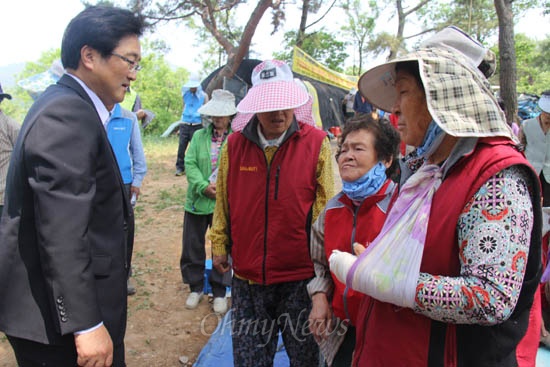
99, 27
412, 68
546, 93
386, 139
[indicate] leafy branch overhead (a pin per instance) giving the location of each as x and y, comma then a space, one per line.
216, 19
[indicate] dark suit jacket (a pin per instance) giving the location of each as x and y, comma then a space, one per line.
63, 261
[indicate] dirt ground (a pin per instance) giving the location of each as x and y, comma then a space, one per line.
160, 329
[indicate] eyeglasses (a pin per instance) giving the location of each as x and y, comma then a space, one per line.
132, 65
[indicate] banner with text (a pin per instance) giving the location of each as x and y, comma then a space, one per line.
304, 64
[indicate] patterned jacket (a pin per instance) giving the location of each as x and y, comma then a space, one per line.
474, 321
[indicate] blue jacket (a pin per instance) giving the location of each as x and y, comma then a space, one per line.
125, 138
191, 103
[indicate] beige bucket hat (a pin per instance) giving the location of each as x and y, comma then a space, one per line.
222, 103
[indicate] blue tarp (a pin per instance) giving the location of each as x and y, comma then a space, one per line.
218, 352
543, 357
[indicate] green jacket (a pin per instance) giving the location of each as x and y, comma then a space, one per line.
198, 168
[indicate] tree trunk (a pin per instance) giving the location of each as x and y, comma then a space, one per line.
236, 54
506, 45
400, 30
360, 44
303, 20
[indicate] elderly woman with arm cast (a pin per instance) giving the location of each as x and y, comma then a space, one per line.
468, 301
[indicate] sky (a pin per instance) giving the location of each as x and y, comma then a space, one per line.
43, 26
30, 27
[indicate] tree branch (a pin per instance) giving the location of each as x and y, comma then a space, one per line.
418, 6
208, 17
421, 33
322, 16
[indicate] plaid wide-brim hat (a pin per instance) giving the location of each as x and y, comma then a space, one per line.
458, 95
273, 89
222, 103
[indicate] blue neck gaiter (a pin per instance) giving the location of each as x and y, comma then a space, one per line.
366, 185
432, 133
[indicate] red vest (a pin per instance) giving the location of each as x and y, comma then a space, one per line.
345, 225
270, 206
391, 336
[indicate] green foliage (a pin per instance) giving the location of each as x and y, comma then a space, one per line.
43, 63
212, 54
476, 17
158, 85
159, 88
18, 107
360, 27
172, 198
322, 46
158, 151
533, 69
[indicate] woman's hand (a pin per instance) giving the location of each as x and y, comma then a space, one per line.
220, 263
358, 248
320, 317
210, 191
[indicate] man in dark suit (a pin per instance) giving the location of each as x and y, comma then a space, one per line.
63, 255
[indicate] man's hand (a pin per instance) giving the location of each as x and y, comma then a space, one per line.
221, 264
135, 190
210, 191
140, 114
95, 348
320, 317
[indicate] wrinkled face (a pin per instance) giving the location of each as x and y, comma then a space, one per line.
221, 122
357, 155
275, 123
411, 109
545, 118
112, 75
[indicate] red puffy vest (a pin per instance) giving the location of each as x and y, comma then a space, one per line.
270, 205
346, 224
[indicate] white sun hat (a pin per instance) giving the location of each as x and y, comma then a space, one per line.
193, 82
544, 102
222, 103
273, 89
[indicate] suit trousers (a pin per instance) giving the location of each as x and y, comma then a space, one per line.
193, 255
129, 227
545, 190
33, 354
186, 133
